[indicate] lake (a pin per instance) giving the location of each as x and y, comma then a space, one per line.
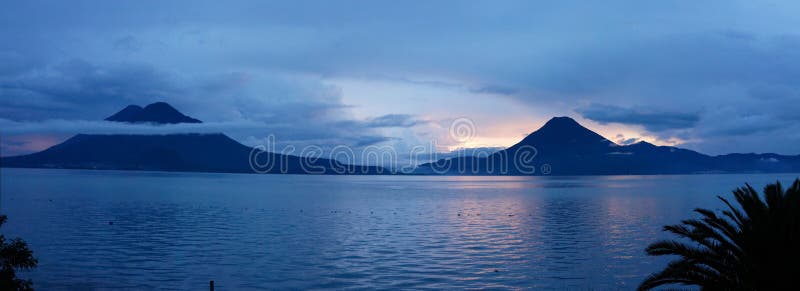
95, 230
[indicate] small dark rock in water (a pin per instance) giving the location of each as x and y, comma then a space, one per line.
459, 214
495, 270
110, 223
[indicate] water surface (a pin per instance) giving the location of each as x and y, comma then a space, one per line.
97, 230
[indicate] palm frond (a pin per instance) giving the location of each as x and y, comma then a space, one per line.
754, 245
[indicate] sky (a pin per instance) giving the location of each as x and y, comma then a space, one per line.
711, 76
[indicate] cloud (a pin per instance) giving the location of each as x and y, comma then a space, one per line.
61, 126
706, 72
622, 140
76, 88
394, 120
470, 152
72, 97
128, 44
650, 119
495, 89
27, 143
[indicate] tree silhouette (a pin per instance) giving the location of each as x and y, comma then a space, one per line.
753, 247
14, 255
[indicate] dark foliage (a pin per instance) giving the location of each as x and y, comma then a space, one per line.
14, 255
755, 246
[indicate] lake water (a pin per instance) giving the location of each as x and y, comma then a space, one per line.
97, 230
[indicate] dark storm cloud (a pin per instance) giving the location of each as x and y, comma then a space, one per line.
78, 89
74, 96
709, 70
652, 120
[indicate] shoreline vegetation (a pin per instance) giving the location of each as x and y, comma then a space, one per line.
14, 256
750, 245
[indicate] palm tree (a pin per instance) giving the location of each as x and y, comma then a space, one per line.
14, 255
754, 247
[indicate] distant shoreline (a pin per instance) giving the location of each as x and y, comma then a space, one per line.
393, 174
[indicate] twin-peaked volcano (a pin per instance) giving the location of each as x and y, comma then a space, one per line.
560, 147
564, 147
159, 112
189, 152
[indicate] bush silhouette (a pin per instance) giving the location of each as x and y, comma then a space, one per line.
755, 246
14, 255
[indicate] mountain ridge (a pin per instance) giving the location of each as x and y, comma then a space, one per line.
568, 148
185, 152
563, 145
157, 113
190, 152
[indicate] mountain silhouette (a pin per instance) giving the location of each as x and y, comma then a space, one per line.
564, 147
159, 113
173, 152
560, 147
564, 135
188, 152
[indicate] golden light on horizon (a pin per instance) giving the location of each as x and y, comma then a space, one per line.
508, 133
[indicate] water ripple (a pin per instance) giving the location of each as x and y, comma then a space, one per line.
110, 230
